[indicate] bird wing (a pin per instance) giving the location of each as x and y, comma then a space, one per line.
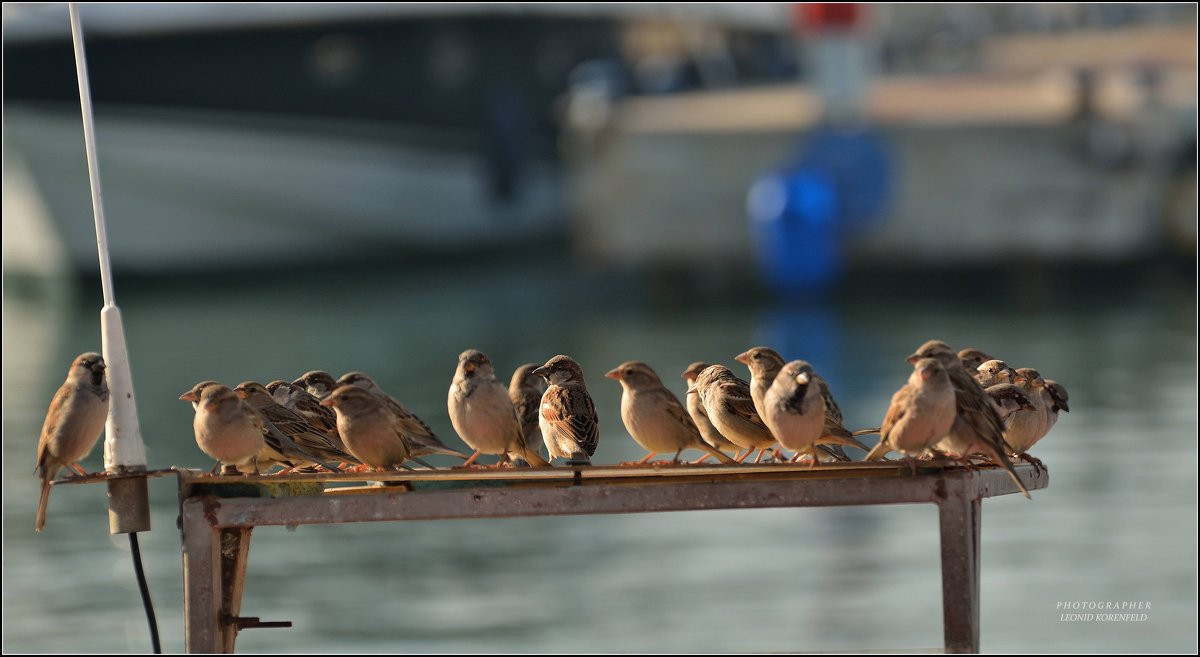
975, 408
526, 406
679, 413
901, 401
54, 415
573, 415
735, 394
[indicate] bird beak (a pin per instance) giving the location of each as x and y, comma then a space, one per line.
926, 374
98, 368
692, 389
468, 367
1017, 378
802, 378
328, 401
541, 371
1063, 405
241, 393
743, 358
1028, 407
189, 396
614, 373
912, 360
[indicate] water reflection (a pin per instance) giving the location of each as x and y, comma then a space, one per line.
1116, 523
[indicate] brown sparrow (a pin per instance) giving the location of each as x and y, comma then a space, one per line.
525, 391
994, 371
322, 418
695, 408
482, 413
1026, 428
921, 412
971, 359
318, 384
226, 428
977, 427
421, 439
765, 364
289, 438
794, 409
73, 424
369, 429
567, 419
1008, 398
1055, 400
653, 415
730, 407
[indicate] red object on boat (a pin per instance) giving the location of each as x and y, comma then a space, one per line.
826, 15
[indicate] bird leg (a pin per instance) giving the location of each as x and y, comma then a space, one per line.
214, 468
702, 459
743, 456
647, 458
1037, 464
471, 460
760, 455
78, 469
676, 459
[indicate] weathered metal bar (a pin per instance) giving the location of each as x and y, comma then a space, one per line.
235, 551
959, 519
231, 506
201, 577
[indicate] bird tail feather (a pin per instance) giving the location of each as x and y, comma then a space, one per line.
716, 453
43, 502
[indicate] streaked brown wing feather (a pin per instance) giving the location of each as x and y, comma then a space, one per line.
895, 412
572, 413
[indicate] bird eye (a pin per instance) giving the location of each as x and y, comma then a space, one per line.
629, 371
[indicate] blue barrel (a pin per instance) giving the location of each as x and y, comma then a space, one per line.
837, 183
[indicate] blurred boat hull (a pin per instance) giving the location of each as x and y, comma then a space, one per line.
187, 191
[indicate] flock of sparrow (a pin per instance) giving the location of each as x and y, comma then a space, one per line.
957, 405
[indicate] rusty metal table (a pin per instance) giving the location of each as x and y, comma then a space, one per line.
218, 513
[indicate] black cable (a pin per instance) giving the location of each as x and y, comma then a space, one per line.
141, 578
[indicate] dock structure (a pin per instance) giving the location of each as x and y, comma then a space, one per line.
218, 514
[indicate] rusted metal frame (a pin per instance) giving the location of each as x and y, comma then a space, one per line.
235, 550
957, 493
959, 514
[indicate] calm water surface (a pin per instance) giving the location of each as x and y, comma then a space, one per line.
1118, 522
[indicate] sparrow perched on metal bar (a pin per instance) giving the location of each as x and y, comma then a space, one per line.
653, 415
695, 408
764, 364
525, 391
289, 437
971, 359
1027, 427
73, 424
369, 429
482, 413
1008, 398
994, 371
977, 427
318, 383
794, 409
567, 419
421, 439
226, 428
729, 406
1055, 399
308, 407
921, 413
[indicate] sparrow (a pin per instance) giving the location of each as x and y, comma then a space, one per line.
1008, 398
794, 409
193, 395
226, 428
765, 364
289, 438
921, 413
421, 439
1026, 428
482, 413
695, 408
318, 384
322, 418
73, 424
977, 427
1055, 399
971, 359
567, 416
653, 415
729, 406
369, 429
994, 371
525, 392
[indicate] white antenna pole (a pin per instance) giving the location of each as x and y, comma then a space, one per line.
124, 451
